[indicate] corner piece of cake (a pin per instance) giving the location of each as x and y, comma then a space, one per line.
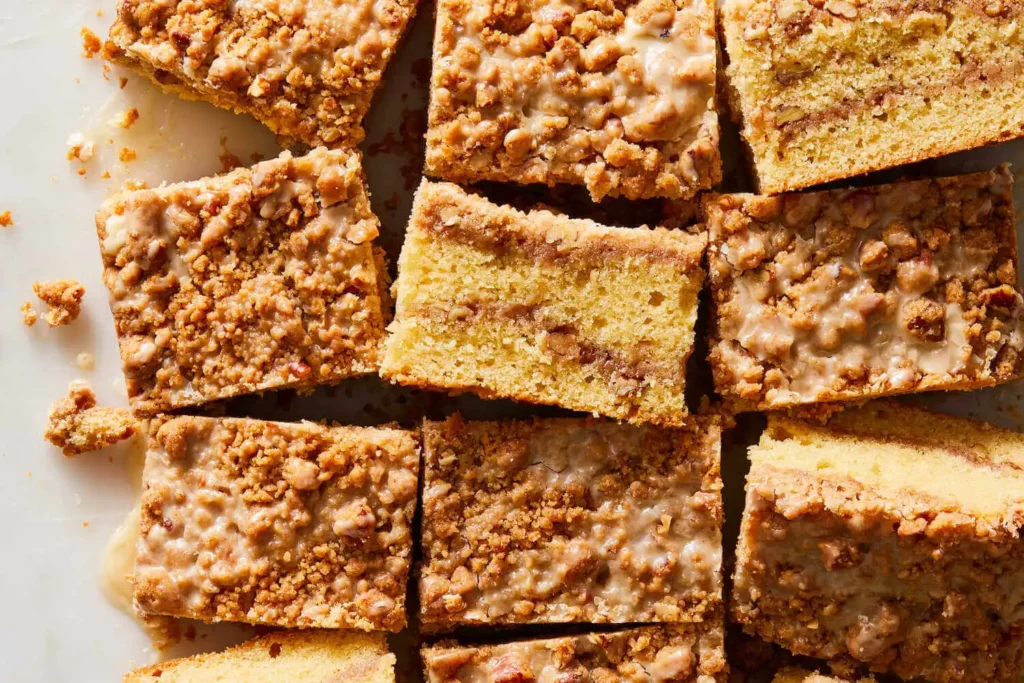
283, 657
619, 97
307, 70
264, 278
887, 538
829, 89
545, 309
570, 520
860, 293
291, 525
680, 653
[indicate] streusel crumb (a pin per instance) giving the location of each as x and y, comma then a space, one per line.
29, 316
5, 219
77, 425
91, 43
125, 119
64, 297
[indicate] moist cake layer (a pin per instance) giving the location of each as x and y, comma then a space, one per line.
619, 98
291, 525
828, 90
850, 294
307, 70
886, 539
681, 653
545, 309
313, 655
264, 278
569, 520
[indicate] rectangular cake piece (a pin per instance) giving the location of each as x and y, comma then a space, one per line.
545, 309
619, 97
290, 525
264, 278
570, 520
888, 538
283, 657
680, 653
307, 70
853, 294
825, 90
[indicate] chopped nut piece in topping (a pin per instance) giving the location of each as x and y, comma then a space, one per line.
244, 282
683, 653
889, 539
64, 297
618, 97
29, 316
863, 293
76, 425
289, 525
564, 521
306, 70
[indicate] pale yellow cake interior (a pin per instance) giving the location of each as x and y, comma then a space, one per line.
314, 656
892, 448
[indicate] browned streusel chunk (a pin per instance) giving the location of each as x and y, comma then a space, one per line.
292, 525
853, 294
29, 316
617, 97
64, 298
5, 219
889, 538
680, 653
308, 70
570, 520
77, 425
264, 278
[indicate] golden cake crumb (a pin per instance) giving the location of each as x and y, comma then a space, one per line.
29, 316
5, 219
80, 148
91, 43
127, 154
125, 119
76, 425
64, 297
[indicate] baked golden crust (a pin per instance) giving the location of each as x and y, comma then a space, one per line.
619, 98
915, 80
77, 425
569, 520
853, 294
307, 70
680, 653
264, 278
292, 525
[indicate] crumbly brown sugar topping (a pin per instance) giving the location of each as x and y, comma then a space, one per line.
865, 292
64, 299
259, 279
307, 69
570, 521
77, 425
290, 525
618, 97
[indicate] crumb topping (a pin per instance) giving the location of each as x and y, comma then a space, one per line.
29, 316
858, 293
77, 425
91, 43
306, 69
5, 219
293, 525
569, 520
260, 279
125, 119
617, 97
64, 298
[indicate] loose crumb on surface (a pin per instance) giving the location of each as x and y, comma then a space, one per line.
80, 148
125, 119
5, 219
64, 297
77, 425
127, 154
85, 361
122, 82
28, 314
91, 43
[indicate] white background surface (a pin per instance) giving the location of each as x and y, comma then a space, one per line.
57, 514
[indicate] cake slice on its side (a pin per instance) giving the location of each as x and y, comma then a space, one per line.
830, 90
291, 525
853, 294
680, 653
283, 657
544, 309
307, 71
890, 538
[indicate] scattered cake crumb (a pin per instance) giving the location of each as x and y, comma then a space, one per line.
28, 314
80, 148
106, 175
122, 81
85, 361
91, 43
127, 154
76, 425
64, 297
125, 119
5, 219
